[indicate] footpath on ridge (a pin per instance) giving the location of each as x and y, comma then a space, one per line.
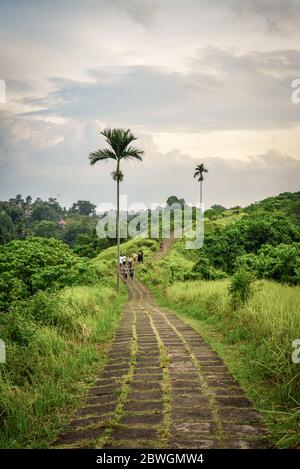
162, 387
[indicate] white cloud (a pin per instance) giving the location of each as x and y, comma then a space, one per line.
278, 17
223, 89
45, 167
206, 78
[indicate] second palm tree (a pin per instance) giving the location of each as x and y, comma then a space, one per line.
199, 173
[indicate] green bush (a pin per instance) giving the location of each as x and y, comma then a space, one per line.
280, 263
45, 229
225, 244
203, 270
241, 286
35, 264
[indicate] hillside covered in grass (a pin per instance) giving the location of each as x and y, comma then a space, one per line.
241, 292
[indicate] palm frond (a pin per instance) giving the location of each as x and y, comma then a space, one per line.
132, 152
118, 139
101, 155
199, 171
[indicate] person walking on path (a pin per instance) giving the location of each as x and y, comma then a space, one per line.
124, 272
131, 273
134, 255
130, 261
141, 256
120, 265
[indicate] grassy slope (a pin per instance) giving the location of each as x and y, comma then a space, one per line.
255, 341
43, 382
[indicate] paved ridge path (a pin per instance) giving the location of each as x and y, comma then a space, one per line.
162, 387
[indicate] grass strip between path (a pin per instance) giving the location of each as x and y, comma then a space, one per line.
115, 419
166, 384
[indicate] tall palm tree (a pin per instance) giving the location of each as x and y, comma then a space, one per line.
199, 173
119, 141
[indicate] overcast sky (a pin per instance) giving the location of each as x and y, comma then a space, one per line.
197, 81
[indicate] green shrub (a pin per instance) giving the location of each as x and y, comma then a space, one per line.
35, 264
225, 244
203, 270
281, 263
241, 286
45, 229
16, 327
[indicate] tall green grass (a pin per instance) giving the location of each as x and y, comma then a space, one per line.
254, 338
134, 245
44, 379
56, 342
270, 320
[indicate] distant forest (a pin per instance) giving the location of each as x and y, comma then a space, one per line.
22, 217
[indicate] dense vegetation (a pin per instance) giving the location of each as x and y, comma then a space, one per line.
37, 264
76, 226
263, 238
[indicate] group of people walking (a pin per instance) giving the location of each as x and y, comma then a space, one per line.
126, 264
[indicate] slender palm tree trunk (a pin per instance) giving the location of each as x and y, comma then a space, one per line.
200, 195
118, 233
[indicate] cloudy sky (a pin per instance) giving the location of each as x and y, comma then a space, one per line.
197, 81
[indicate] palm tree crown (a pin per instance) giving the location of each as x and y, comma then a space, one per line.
119, 141
199, 171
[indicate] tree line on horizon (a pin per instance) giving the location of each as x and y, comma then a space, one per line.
76, 226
